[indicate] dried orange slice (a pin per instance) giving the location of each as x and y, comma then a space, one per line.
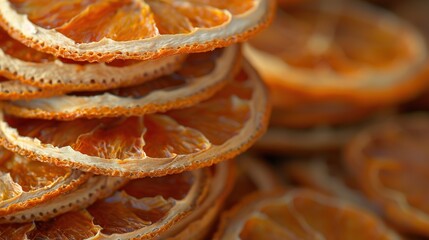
199, 78
25, 183
388, 161
153, 144
142, 209
106, 30
349, 52
97, 187
42, 70
300, 214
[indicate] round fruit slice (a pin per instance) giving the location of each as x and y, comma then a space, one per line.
389, 162
199, 78
150, 145
22, 63
25, 183
300, 214
133, 29
142, 209
343, 52
97, 187
13, 90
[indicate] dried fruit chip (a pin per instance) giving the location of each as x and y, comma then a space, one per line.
344, 51
105, 30
96, 187
199, 78
25, 184
149, 145
388, 161
42, 70
142, 209
300, 214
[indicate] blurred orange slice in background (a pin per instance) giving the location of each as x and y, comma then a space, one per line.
389, 163
300, 214
340, 51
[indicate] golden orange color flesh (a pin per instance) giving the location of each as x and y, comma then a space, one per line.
138, 204
355, 43
93, 20
30, 175
299, 214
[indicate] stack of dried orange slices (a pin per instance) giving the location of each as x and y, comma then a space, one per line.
332, 63
112, 109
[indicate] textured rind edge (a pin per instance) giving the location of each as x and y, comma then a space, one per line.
260, 111
86, 52
87, 77
15, 90
96, 187
132, 106
72, 185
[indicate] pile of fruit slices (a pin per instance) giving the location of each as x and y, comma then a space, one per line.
114, 114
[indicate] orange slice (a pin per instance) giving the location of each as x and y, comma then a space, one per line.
97, 187
142, 209
388, 161
153, 144
199, 78
342, 52
300, 214
42, 70
107, 30
25, 183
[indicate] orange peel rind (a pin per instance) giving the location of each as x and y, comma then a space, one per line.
178, 90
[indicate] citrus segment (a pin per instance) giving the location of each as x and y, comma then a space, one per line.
388, 162
176, 140
107, 30
25, 183
198, 79
349, 52
38, 69
300, 214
